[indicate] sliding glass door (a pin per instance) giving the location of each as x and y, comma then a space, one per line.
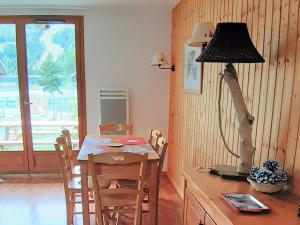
43, 89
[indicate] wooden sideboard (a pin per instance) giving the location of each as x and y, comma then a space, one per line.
203, 204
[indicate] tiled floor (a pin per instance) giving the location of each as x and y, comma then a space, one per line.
43, 204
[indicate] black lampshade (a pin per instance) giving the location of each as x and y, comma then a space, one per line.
231, 43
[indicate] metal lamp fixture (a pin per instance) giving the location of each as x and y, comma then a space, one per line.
231, 43
159, 59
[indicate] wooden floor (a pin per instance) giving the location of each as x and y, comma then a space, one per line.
43, 204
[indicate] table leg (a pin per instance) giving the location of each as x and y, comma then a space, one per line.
85, 194
153, 197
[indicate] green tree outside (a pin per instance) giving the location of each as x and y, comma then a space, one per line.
49, 79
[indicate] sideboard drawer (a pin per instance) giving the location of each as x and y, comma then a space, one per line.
194, 214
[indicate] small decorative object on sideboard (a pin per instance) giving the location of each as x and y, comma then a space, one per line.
269, 178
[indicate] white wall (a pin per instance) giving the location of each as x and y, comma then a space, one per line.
119, 43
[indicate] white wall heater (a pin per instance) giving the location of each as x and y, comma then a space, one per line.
114, 106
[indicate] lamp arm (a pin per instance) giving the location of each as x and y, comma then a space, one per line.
220, 118
245, 120
172, 68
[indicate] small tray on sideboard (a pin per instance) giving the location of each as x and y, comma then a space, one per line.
244, 202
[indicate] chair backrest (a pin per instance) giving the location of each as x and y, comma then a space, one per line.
64, 161
154, 134
118, 166
67, 135
115, 129
162, 147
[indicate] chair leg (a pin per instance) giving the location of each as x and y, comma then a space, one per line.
69, 213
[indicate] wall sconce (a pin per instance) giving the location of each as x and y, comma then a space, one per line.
159, 59
230, 44
202, 34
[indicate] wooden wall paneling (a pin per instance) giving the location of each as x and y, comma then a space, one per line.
214, 75
258, 78
181, 96
188, 111
210, 78
293, 139
250, 91
269, 113
271, 90
264, 81
219, 70
204, 116
288, 83
205, 97
194, 127
200, 114
281, 72
249, 20
174, 153
275, 51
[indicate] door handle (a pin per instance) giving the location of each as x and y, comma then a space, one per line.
27, 103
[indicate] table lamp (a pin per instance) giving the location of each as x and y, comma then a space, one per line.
230, 44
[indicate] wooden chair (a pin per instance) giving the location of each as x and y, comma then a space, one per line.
113, 166
70, 152
154, 134
72, 185
115, 129
161, 149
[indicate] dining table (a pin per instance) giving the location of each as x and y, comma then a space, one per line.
99, 144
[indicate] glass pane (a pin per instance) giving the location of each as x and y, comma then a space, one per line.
51, 65
10, 116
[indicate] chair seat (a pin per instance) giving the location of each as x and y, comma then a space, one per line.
75, 183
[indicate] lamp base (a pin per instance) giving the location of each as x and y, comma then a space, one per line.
227, 172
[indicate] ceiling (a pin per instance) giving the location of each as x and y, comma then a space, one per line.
83, 3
